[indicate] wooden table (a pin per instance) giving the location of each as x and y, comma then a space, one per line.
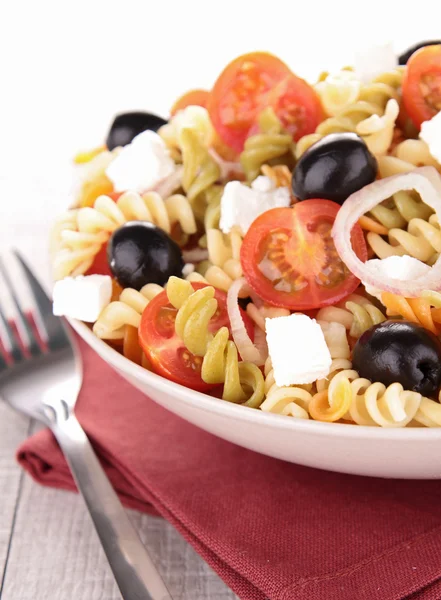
49, 550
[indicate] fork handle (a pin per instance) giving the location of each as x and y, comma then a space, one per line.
134, 571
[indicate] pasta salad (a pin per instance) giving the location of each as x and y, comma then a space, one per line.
274, 243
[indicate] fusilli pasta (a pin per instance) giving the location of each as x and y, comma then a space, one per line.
358, 315
220, 362
271, 143
287, 400
200, 169
421, 239
369, 120
119, 321
78, 236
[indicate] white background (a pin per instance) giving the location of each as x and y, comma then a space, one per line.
66, 66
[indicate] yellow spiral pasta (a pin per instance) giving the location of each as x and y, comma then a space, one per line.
223, 266
243, 382
78, 236
338, 345
338, 91
374, 404
271, 143
127, 310
291, 401
421, 239
120, 320
428, 413
358, 315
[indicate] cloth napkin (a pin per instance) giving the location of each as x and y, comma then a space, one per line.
272, 530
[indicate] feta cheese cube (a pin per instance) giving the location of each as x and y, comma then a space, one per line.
141, 165
298, 349
431, 134
371, 62
241, 205
82, 297
402, 268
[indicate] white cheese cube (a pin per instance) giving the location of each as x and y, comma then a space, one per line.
298, 349
241, 205
141, 165
373, 61
402, 268
82, 297
431, 134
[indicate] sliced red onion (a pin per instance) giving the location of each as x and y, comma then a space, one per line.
195, 255
247, 350
424, 180
227, 167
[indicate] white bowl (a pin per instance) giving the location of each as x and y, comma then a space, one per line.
408, 453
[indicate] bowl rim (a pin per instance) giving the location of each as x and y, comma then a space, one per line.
210, 404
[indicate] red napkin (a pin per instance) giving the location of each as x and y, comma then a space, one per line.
272, 530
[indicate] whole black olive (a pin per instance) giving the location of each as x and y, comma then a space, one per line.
334, 168
400, 351
406, 55
126, 126
140, 253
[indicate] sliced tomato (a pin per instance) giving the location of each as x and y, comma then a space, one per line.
422, 84
166, 351
191, 98
253, 82
289, 258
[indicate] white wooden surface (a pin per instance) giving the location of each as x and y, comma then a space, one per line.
49, 550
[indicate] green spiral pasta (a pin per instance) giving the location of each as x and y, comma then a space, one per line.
271, 143
200, 169
383, 88
243, 382
369, 110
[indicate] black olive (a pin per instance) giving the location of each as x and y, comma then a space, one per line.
406, 55
140, 253
334, 168
243, 302
400, 351
126, 126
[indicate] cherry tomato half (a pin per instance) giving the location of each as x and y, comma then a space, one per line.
166, 351
289, 258
191, 98
253, 82
422, 84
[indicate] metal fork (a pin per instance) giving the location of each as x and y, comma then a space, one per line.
43, 381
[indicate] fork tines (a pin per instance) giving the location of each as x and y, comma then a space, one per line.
29, 333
